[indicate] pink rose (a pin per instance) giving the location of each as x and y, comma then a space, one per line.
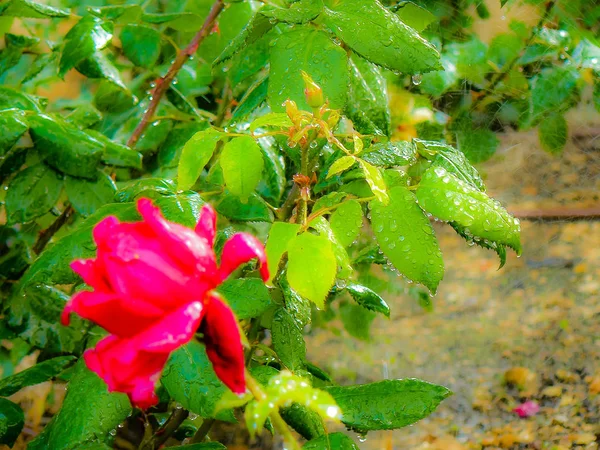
527, 409
154, 284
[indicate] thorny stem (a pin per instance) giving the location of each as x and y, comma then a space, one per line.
164, 433
162, 84
500, 76
275, 417
47, 234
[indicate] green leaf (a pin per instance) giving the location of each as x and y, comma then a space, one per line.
368, 103
288, 341
438, 82
305, 48
478, 144
553, 133
278, 120
12, 127
357, 320
407, 238
277, 244
257, 27
448, 198
390, 154
118, 13
182, 21
283, 390
254, 210
375, 181
333, 441
301, 11
499, 249
274, 181
368, 299
346, 222
451, 159
74, 425
305, 421
252, 99
299, 307
146, 187
311, 267
141, 44
31, 9
34, 313
248, 297
84, 116
82, 41
587, 54
39, 373
52, 266
87, 196
242, 164
99, 65
470, 59
32, 193
388, 404
341, 255
13, 99
12, 420
380, 36
190, 380
554, 90
65, 147
116, 154
504, 48
340, 165
195, 155
413, 15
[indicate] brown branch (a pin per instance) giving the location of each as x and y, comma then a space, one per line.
45, 235
162, 84
166, 431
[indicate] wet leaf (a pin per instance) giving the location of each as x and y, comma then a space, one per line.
301, 11
242, 163
368, 103
195, 155
39, 373
341, 255
380, 36
368, 299
390, 154
448, 198
341, 165
141, 44
88, 36
87, 196
346, 222
288, 341
307, 49
254, 210
333, 441
278, 120
280, 236
413, 15
190, 380
12, 420
375, 181
12, 127
74, 425
257, 27
32, 193
388, 404
554, 90
248, 297
311, 280
407, 239
32, 9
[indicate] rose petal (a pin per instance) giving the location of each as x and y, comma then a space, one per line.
104, 230
239, 249
207, 224
193, 252
124, 317
92, 273
224, 344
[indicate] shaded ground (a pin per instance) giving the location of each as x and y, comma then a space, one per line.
538, 319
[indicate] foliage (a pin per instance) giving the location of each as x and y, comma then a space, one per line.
332, 130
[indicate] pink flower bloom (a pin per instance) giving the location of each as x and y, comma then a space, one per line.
527, 409
154, 284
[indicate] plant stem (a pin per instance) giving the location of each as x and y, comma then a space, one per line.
202, 431
501, 75
162, 84
163, 433
286, 209
275, 417
47, 234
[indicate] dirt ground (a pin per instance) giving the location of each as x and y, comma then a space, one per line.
530, 331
